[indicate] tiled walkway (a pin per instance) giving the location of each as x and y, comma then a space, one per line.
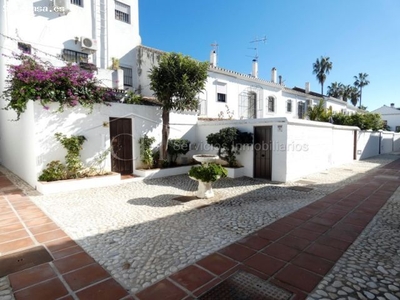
294, 252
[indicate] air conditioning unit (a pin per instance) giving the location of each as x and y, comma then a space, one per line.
88, 43
60, 6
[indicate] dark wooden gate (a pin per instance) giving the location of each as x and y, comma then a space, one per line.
121, 143
263, 152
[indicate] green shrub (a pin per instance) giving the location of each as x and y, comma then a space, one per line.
146, 152
208, 172
177, 147
55, 171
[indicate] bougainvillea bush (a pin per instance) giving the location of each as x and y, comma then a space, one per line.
36, 80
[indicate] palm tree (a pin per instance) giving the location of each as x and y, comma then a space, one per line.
361, 81
346, 92
353, 94
335, 89
321, 67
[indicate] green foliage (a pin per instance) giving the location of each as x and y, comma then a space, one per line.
321, 68
176, 82
208, 172
73, 167
55, 171
229, 142
132, 98
146, 152
177, 147
36, 80
318, 112
365, 121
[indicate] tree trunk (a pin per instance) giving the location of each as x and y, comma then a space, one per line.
360, 95
165, 135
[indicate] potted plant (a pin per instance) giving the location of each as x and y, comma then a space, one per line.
206, 174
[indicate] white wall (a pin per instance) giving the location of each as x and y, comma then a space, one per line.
396, 142
343, 144
367, 144
386, 142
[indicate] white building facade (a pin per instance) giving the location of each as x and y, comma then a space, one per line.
390, 116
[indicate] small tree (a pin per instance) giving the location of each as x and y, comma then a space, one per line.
146, 152
177, 147
318, 112
229, 142
176, 82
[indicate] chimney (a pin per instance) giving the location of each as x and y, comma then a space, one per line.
213, 58
273, 75
307, 89
280, 79
392, 105
255, 68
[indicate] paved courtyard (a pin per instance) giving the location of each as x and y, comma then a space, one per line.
144, 231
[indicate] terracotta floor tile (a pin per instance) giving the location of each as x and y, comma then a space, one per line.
322, 221
16, 245
323, 251
60, 244
310, 211
281, 227
237, 252
85, 276
305, 234
313, 263
330, 216
50, 289
8, 215
342, 207
32, 215
348, 236
192, 277
207, 287
334, 243
216, 263
108, 289
296, 243
162, 290
50, 235
255, 242
37, 222
31, 276
11, 236
321, 205
43, 228
9, 221
349, 227
301, 216
269, 234
264, 263
11, 228
290, 221
357, 220
315, 227
299, 278
281, 251
67, 252
73, 262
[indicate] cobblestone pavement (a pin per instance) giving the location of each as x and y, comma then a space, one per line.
140, 233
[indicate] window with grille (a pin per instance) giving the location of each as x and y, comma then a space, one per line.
25, 48
289, 106
122, 12
75, 56
252, 106
271, 104
127, 76
77, 2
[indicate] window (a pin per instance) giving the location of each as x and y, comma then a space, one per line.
271, 104
252, 106
25, 48
397, 128
301, 109
127, 76
74, 56
221, 97
122, 12
289, 106
77, 2
221, 92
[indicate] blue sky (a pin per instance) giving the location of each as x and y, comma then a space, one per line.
357, 35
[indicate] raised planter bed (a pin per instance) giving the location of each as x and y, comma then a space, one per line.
235, 172
52, 187
157, 173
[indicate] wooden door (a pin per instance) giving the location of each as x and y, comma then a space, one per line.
263, 152
121, 143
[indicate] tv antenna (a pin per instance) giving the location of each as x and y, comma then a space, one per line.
257, 40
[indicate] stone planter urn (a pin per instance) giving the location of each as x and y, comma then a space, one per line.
206, 174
